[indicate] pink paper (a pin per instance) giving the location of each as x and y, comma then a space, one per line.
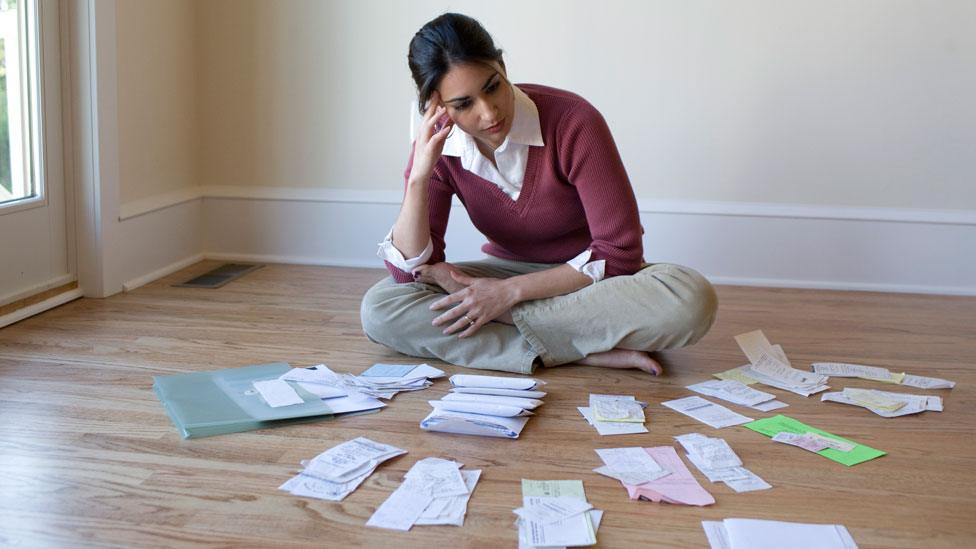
679, 487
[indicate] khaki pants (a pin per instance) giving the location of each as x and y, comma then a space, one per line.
663, 306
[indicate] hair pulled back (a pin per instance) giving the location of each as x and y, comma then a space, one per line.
448, 40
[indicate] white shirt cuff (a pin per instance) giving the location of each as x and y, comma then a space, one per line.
389, 252
592, 269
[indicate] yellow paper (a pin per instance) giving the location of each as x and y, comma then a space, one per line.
870, 398
736, 374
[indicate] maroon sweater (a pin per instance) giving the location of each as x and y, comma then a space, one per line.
575, 195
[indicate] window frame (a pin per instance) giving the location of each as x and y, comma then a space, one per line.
33, 127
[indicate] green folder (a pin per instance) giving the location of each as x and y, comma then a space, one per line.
771, 426
203, 404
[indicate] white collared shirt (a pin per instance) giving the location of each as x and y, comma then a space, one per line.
511, 158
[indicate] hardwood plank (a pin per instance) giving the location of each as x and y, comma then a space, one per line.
89, 457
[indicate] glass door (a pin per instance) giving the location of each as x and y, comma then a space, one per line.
35, 233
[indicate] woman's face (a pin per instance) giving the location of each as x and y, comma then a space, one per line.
479, 99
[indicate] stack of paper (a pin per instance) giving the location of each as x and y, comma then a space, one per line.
736, 392
707, 412
875, 373
769, 365
884, 403
233, 400
386, 380
670, 483
331, 388
555, 513
335, 473
840, 450
434, 491
632, 466
615, 414
771, 534
485, 405
719, 463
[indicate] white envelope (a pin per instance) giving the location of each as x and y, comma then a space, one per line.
499, 392
494, 382
524, 403
473, 424
483, 408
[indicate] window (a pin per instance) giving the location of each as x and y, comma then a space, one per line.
18, 102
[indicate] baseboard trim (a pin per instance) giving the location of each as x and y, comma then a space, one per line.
161, 272
737, 244
37, 288
718, 280
38, 308
647, 206
842, 286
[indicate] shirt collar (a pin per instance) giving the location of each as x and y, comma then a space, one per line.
526, 129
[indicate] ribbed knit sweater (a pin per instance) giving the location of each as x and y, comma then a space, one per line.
575, 195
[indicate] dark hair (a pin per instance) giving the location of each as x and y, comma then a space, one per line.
448, 40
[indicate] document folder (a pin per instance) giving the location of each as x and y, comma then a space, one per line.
203, 404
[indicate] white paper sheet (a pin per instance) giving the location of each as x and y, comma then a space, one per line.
770, 534
319, 374
732, 391
769, 406
715, 532
400, 510
335, 473
341, 461
923, 382
914, 404
706, 412
750, 483
438, 477
631, 465
277, 393
450, 510
570, 532
842, 369
545, 510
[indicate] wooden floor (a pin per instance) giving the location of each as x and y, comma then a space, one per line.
89, 458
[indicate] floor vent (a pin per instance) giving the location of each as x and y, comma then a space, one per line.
219, 276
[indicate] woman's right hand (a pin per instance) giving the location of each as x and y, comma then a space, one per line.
430, 140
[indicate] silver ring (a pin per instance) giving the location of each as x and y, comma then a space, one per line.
468, 318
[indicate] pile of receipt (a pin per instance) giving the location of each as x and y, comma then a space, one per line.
434, 491
719, 463
615, 414
335, 473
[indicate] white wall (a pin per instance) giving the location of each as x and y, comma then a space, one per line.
807, 144
159, 124
834, 102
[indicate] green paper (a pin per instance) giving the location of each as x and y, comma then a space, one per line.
771, 426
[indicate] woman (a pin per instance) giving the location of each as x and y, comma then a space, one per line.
539, 174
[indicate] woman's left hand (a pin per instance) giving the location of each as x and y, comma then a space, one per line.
480, 302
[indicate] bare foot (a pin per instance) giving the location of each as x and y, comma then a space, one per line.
623, 359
